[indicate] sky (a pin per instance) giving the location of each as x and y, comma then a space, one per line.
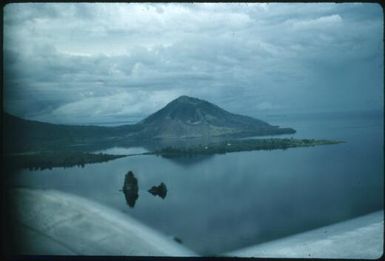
83, 63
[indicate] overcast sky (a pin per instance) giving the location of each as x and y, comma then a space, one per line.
85, 63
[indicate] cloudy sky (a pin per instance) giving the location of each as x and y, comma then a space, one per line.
85, 63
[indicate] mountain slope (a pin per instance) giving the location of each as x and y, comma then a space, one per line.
21, 135
187, 117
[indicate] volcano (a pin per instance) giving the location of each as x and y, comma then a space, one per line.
188, 117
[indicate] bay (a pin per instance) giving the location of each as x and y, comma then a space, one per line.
219, 203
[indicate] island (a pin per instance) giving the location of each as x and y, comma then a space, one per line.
241, 145
52, 159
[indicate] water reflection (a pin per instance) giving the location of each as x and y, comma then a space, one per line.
160, 190
130, 189
118, 150
125, 148
189, 161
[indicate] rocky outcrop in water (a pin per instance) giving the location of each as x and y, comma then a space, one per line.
130, 189
160, 190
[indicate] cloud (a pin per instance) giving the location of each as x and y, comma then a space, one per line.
62, 59
321, 23
112, 107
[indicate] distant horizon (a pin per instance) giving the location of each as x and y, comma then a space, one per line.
264, 116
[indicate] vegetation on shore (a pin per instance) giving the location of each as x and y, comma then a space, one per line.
52, 159
241, 145
48, 160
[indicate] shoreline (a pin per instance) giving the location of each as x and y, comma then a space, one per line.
56, 159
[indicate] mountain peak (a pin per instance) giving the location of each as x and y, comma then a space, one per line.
186, 99
192, 117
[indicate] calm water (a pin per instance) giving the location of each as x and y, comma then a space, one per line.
224, 202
